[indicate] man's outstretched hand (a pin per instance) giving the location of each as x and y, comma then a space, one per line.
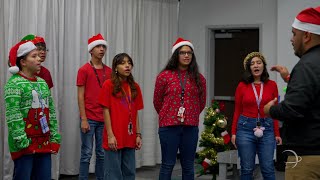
282, 70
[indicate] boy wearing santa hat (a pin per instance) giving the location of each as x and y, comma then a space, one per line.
90, 79
30, 115
44, 73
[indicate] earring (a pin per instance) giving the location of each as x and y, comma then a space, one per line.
116, 71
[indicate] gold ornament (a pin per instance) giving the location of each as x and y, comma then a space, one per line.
221, 123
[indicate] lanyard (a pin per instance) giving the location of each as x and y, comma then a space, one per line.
258, 100
182, 84
95, 72
128, 99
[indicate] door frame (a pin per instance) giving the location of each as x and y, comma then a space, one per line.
210, 55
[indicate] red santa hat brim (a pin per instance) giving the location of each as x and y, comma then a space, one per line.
308, 20
182, 43
96, 43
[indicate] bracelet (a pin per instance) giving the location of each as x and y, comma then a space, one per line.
139, 135
287, 78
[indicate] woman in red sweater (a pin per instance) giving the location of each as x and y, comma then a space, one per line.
179, 97
252, 132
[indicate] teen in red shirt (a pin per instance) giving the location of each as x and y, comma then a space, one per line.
252, 132
90, 79
121, 99
179, 97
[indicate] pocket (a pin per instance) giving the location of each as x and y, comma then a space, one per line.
245, 123
267, 124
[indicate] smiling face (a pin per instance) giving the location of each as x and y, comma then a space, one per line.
256, 67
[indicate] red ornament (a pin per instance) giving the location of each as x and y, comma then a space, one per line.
222, 106
212, 101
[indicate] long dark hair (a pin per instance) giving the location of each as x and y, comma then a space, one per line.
247, 76
193, 68
115, 77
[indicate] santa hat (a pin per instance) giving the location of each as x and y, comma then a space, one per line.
35, 39
308, 20
181, 42
95, 41
18, 50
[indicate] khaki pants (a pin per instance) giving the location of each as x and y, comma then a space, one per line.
307, 169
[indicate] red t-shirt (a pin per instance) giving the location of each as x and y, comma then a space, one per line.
87, 77
45, 74
246, 105
119, 114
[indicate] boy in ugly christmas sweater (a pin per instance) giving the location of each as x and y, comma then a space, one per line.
30, 115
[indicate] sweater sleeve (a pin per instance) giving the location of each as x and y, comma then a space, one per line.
16, 125
159, 92
55, 137
237, 108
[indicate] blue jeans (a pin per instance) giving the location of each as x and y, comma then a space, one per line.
120, 164
249, 145
172, 138
33, 166
96, 130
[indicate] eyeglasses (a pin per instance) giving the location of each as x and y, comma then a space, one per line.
183, 53
41, 48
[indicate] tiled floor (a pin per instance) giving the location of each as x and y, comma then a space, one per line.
152, 172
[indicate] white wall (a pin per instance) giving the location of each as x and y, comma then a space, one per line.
287, 11
196, 16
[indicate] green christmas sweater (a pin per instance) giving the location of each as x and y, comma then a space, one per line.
29, 101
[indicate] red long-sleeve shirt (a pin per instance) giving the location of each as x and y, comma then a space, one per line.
166, 98
246, 104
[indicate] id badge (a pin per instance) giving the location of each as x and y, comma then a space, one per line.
130, 128
44, 124
181, 113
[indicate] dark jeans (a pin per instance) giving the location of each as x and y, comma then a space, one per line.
33, 166
172, 138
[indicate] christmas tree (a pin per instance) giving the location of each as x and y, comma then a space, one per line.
214, 139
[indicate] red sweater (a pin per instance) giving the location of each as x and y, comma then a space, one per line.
246, 105
166, 98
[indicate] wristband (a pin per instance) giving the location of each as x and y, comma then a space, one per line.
287, 78
139, 135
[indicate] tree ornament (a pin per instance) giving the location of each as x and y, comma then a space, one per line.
221, 123
226, 137
205, 164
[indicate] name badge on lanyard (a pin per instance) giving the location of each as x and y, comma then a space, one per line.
182, 109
